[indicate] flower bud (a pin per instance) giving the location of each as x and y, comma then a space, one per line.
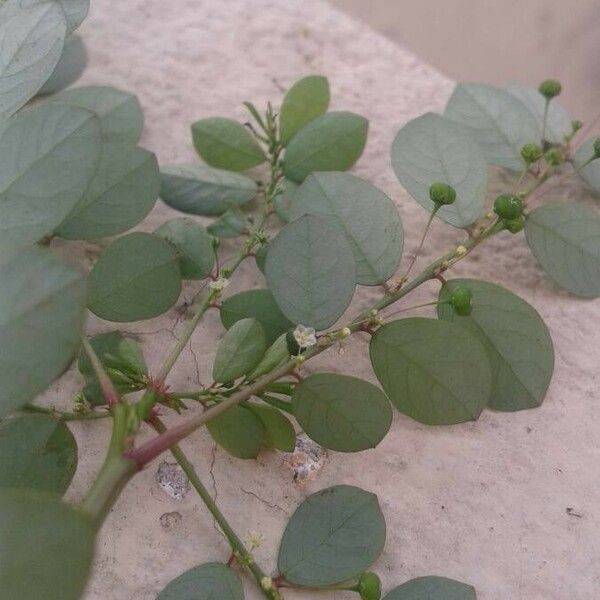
461, 301
531, 153
554, 156
442, 193
507, 206
515, 225
597, 147
550, 88
369, 586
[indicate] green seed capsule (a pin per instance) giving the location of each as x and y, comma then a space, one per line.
462, 301
369, 586
507, 206
531, 153
442, 193
515, 225
554, 157
597, 147
550, 88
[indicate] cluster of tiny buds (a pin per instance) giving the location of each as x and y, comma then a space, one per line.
219, 284
460, 250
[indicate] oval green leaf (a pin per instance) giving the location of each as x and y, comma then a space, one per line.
432, 588
122, 192
136, 277
239, 351
193, 245
211, 581
332, 142
500, 123
70, 67
32, 37
342, 413
431, 149
47, 547
54, 152
306, 100
276, 354
238, 431
558, 122
364, 215
516, 338
282, 202
37, 452
565, 239
226, 144
120, 113
232, 223
202, 190
278, 432
259, 305
310, 270
333, 536
436, 372
42, 300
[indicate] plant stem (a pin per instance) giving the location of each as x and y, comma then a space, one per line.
116, 471
545, 121
66, 416
242, 554
418, 251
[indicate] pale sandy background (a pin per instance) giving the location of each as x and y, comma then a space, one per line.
486, 502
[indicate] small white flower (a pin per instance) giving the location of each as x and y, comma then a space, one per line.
460, 251
219, 284
255, 539
305, 336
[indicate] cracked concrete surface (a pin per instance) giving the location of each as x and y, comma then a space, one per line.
509, 503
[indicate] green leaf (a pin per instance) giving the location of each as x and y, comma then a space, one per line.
52, 153
516, 338
135, 278
558, 123
260, 305
75, 11
211, 581
238, 431
331, 142
239, 351
496, 120
226, 144
431, 149
591, 172
42, 303
232, 223
276, 354
432, 588
333, 536
283, 200
342, 413
116, 353
120, 113
436, 372
565, 239
306, 100
70, 67
193, 244
47, 547
32, 37
310, 271
202, 190
279, 433
121, 194
37, 452
261, 257
364, 215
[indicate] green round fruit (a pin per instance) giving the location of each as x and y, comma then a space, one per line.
442, 193
531, 153
507, 206
369, 586
515, 225
554, 156
550, 88
462, 301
